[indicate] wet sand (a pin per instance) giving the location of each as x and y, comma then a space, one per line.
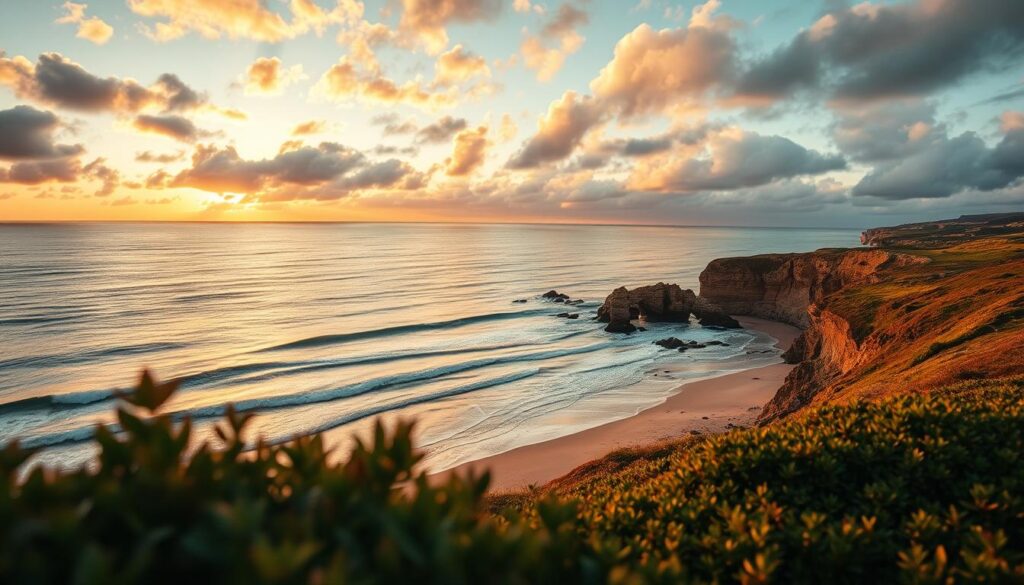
707, 406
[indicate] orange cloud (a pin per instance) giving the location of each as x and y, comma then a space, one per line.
1011, 121
310, 127
545, 60
560, 131
459, 65
267, 76
426, 19
469, 152
344, 81
92, 29
249, 19
654, 70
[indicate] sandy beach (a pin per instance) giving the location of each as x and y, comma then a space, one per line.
706, 406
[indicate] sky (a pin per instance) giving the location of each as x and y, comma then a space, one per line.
727, 112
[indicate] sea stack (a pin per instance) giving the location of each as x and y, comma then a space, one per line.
659, 303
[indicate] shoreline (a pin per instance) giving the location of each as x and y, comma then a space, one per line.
706, 406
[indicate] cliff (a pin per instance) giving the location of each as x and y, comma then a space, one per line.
945, 233
948, 306
782, 287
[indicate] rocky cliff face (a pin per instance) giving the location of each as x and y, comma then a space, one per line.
944, 233
949, 306
782, 287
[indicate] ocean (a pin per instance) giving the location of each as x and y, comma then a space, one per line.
325, 327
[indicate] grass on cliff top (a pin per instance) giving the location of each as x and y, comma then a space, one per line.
994, 265
919, 489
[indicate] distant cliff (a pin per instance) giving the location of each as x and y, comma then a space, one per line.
949, 305
944, 233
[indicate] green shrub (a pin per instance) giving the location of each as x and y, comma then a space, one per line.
920, 489
155, 512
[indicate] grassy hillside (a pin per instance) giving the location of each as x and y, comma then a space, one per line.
916, 489
923, 489
958, 317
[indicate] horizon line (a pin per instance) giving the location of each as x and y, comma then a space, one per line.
399, 222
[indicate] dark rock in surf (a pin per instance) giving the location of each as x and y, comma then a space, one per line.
670, 343
554, 295
660, 302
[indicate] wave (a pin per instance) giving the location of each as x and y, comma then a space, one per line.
326, 395
334, 339
253, 373
359, 388
38, 361
457, 391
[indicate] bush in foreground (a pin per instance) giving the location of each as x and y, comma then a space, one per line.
923, 489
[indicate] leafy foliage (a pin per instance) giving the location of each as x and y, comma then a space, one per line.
156, 511
922, 489
917, 489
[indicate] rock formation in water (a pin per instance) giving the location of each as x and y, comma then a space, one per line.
659, 303
554, 295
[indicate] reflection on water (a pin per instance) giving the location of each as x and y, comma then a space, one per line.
325, 326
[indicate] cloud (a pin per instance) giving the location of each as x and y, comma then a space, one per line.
237, 19
344, 81
440, 131
886, 130
1011, 121
426, 19
223, 170
459, 65
267, 76
385, 150
92, 29
309, 127
653, 71
948, 166
176, 127
538, 52
377, 175
730, 159
400, 128
57, 81
650, 145
27, 133
559, 132
872, 51
525, 6
110, 178
27, 138
159, 180
469, 152
150, 157
35, 172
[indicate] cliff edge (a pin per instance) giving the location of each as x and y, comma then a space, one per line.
932, 304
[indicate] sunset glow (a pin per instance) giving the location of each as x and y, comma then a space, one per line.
571, 111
